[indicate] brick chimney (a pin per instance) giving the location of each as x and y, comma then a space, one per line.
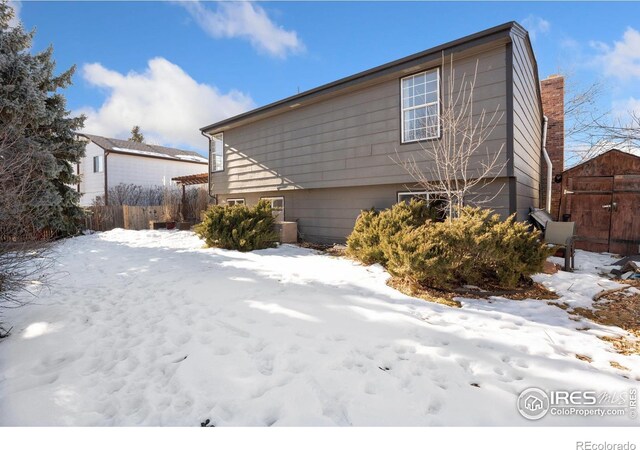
552, 90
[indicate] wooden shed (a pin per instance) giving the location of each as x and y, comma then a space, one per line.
602, 196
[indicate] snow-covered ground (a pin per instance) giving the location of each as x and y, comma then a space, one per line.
149, 328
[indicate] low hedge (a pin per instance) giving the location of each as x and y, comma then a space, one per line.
477, 247
238, 227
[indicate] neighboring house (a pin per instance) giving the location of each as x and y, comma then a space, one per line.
324, 155
109, 162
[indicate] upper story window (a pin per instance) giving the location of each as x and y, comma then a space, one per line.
98, 164
421, 106
216, 152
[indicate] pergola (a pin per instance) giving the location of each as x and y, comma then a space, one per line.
189, 180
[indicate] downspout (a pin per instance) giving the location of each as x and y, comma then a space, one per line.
548, 161
209, 166
106, 183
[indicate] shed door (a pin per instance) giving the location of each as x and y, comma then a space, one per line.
590, 206
625, 220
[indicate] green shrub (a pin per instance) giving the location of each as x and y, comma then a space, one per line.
477, 247
238, 227
373, 229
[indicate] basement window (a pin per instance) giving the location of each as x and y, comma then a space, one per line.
436, 200
216, 152
277, 206
420, 106
98, 164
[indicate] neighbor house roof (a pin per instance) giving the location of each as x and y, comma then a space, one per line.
406, 63
141, 149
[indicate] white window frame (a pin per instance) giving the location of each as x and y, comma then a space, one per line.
99, 167
236, 201
277, 211
425, 105
412, 194
212, 152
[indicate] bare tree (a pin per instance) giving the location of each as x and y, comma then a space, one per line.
589, 129
450, 165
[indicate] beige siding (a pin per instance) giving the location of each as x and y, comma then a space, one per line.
328, 215
527, 128
348, 140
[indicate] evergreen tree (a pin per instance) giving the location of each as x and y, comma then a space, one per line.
136, 134
38, 143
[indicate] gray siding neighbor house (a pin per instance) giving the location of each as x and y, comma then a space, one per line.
324, 155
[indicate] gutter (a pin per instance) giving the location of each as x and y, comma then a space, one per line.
548, 161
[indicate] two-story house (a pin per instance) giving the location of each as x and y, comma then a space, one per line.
324, 155
109, 162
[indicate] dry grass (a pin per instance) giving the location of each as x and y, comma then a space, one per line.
624, 345
329, 249
620, 309
584, 358
617, 365
447, 297
562, 305
413, 289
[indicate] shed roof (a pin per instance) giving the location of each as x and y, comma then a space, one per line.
612, 162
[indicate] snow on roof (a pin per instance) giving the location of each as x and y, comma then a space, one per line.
144, 149
160, 155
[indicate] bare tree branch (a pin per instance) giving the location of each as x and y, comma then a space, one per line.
461, 160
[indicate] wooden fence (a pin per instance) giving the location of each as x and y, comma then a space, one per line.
138, 217
105, 218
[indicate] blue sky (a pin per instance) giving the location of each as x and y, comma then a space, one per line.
172, 68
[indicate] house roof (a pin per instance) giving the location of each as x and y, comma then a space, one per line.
141, 149
361, 77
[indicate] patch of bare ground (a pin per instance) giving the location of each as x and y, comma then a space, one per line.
584, 358
414, 289
528, 290
329, 249
619, 308
617, 365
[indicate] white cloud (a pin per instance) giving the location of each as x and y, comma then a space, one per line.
167, 104
245, 20
622, 109
17, 6
622, 59
536, 25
